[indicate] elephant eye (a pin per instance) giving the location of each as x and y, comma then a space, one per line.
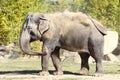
29, 28
37, 22
31, 33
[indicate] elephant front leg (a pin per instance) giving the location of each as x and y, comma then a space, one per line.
56, 61
45, 60
47, 49
44, 64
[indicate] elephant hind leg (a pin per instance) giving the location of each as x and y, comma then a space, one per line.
84, 63
97, 54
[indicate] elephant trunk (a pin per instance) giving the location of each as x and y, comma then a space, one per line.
25, 43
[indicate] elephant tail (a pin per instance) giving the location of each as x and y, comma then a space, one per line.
99, 26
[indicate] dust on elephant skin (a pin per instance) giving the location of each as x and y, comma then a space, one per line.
75, 32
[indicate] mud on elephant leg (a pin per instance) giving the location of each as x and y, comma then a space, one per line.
84, 63
56, 61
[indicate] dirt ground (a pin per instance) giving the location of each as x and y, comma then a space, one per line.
35, 76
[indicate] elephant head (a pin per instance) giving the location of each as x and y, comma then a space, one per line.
33, 28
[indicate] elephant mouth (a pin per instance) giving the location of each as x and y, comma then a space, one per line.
35, 36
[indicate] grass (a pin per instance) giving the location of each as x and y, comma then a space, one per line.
68, 66
33, 66
19, 64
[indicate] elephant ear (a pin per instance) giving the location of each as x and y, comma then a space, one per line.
44, 23
24, 26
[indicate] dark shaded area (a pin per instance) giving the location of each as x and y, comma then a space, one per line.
31, 72
3, 51
24, 72
2, 48
117, 50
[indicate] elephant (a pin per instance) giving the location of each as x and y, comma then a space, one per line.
72, 31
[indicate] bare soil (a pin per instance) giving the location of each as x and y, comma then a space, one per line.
33, 75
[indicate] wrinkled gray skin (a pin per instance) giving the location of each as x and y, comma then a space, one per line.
55, 33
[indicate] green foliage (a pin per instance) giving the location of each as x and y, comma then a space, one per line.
106, 11
59, 6
13, 13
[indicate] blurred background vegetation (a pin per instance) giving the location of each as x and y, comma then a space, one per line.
13, 13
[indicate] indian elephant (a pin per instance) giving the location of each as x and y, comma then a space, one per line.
75, 32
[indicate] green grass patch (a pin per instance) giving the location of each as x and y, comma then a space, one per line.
69, 67
19, 64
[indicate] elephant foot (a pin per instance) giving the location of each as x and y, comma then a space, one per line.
44, 73
58, 73
84, 71
98, 75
